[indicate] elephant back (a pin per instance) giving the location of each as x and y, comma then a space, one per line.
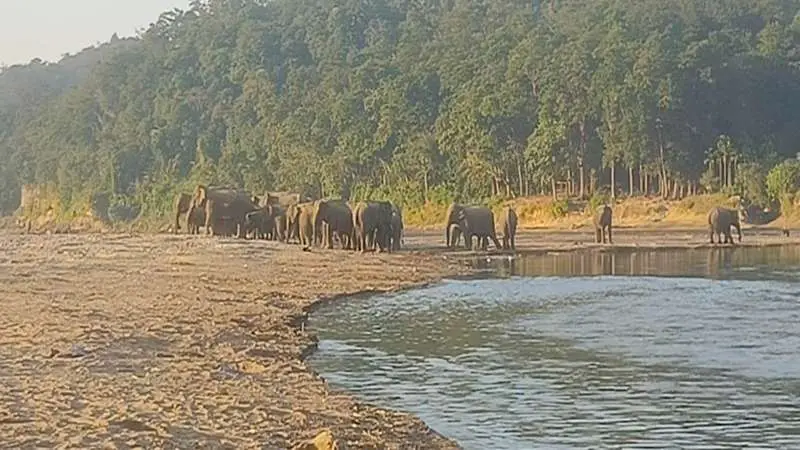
283, 198
478, 213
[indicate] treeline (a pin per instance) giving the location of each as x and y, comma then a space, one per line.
428, 100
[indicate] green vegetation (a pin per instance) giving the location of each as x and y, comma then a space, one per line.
418, 102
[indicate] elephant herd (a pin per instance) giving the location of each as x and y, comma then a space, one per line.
288, 216
372, 225
478, 222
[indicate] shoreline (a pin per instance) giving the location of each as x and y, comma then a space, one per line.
154, 316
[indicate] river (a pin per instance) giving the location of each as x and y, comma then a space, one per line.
659, 349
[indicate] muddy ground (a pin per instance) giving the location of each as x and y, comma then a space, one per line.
162, 341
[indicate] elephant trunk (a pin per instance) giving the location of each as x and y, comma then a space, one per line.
447, 234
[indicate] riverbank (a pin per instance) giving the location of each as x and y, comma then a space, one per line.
164, 341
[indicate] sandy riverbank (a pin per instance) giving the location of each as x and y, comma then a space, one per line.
194, 342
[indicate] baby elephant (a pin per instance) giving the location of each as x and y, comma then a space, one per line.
602, 224
720, 221
508, 226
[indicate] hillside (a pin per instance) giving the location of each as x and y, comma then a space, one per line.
428, 102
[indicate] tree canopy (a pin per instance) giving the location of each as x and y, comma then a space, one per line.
419, 100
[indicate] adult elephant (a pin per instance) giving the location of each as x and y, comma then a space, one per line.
508, 225
333, 217
372, 225
222, 204
720, 221
396, 235
477, 221
602, 224
301, 217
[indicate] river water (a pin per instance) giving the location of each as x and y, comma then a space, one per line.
681, 349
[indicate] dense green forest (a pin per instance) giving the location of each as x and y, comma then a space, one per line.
424, 100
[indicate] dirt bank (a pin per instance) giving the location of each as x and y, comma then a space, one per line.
549, 240
167, 341
177, 342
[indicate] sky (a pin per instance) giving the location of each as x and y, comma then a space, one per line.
47, 29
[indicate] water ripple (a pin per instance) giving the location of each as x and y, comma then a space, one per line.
580, 362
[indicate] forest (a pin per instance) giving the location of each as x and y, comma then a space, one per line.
418, 101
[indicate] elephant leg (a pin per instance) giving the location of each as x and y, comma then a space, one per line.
494, 240
362, 240
369, 240
598, 235
513, 241
328, 236
609, 235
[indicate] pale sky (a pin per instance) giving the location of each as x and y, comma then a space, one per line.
47, 29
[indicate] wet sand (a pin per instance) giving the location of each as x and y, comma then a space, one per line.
163, 341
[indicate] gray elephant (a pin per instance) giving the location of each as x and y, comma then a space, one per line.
372, 225
508, 225
333, 217
720, 221
478, 221
259, 224
602, 224
229, 204
396, 235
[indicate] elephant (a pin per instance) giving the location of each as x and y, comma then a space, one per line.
602, 224
477, 221
333, 216
259, 223
181, 206
720, 221
219, 203
452, 219
372, 225
396, 227
508, 225
301, 217
196, 220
